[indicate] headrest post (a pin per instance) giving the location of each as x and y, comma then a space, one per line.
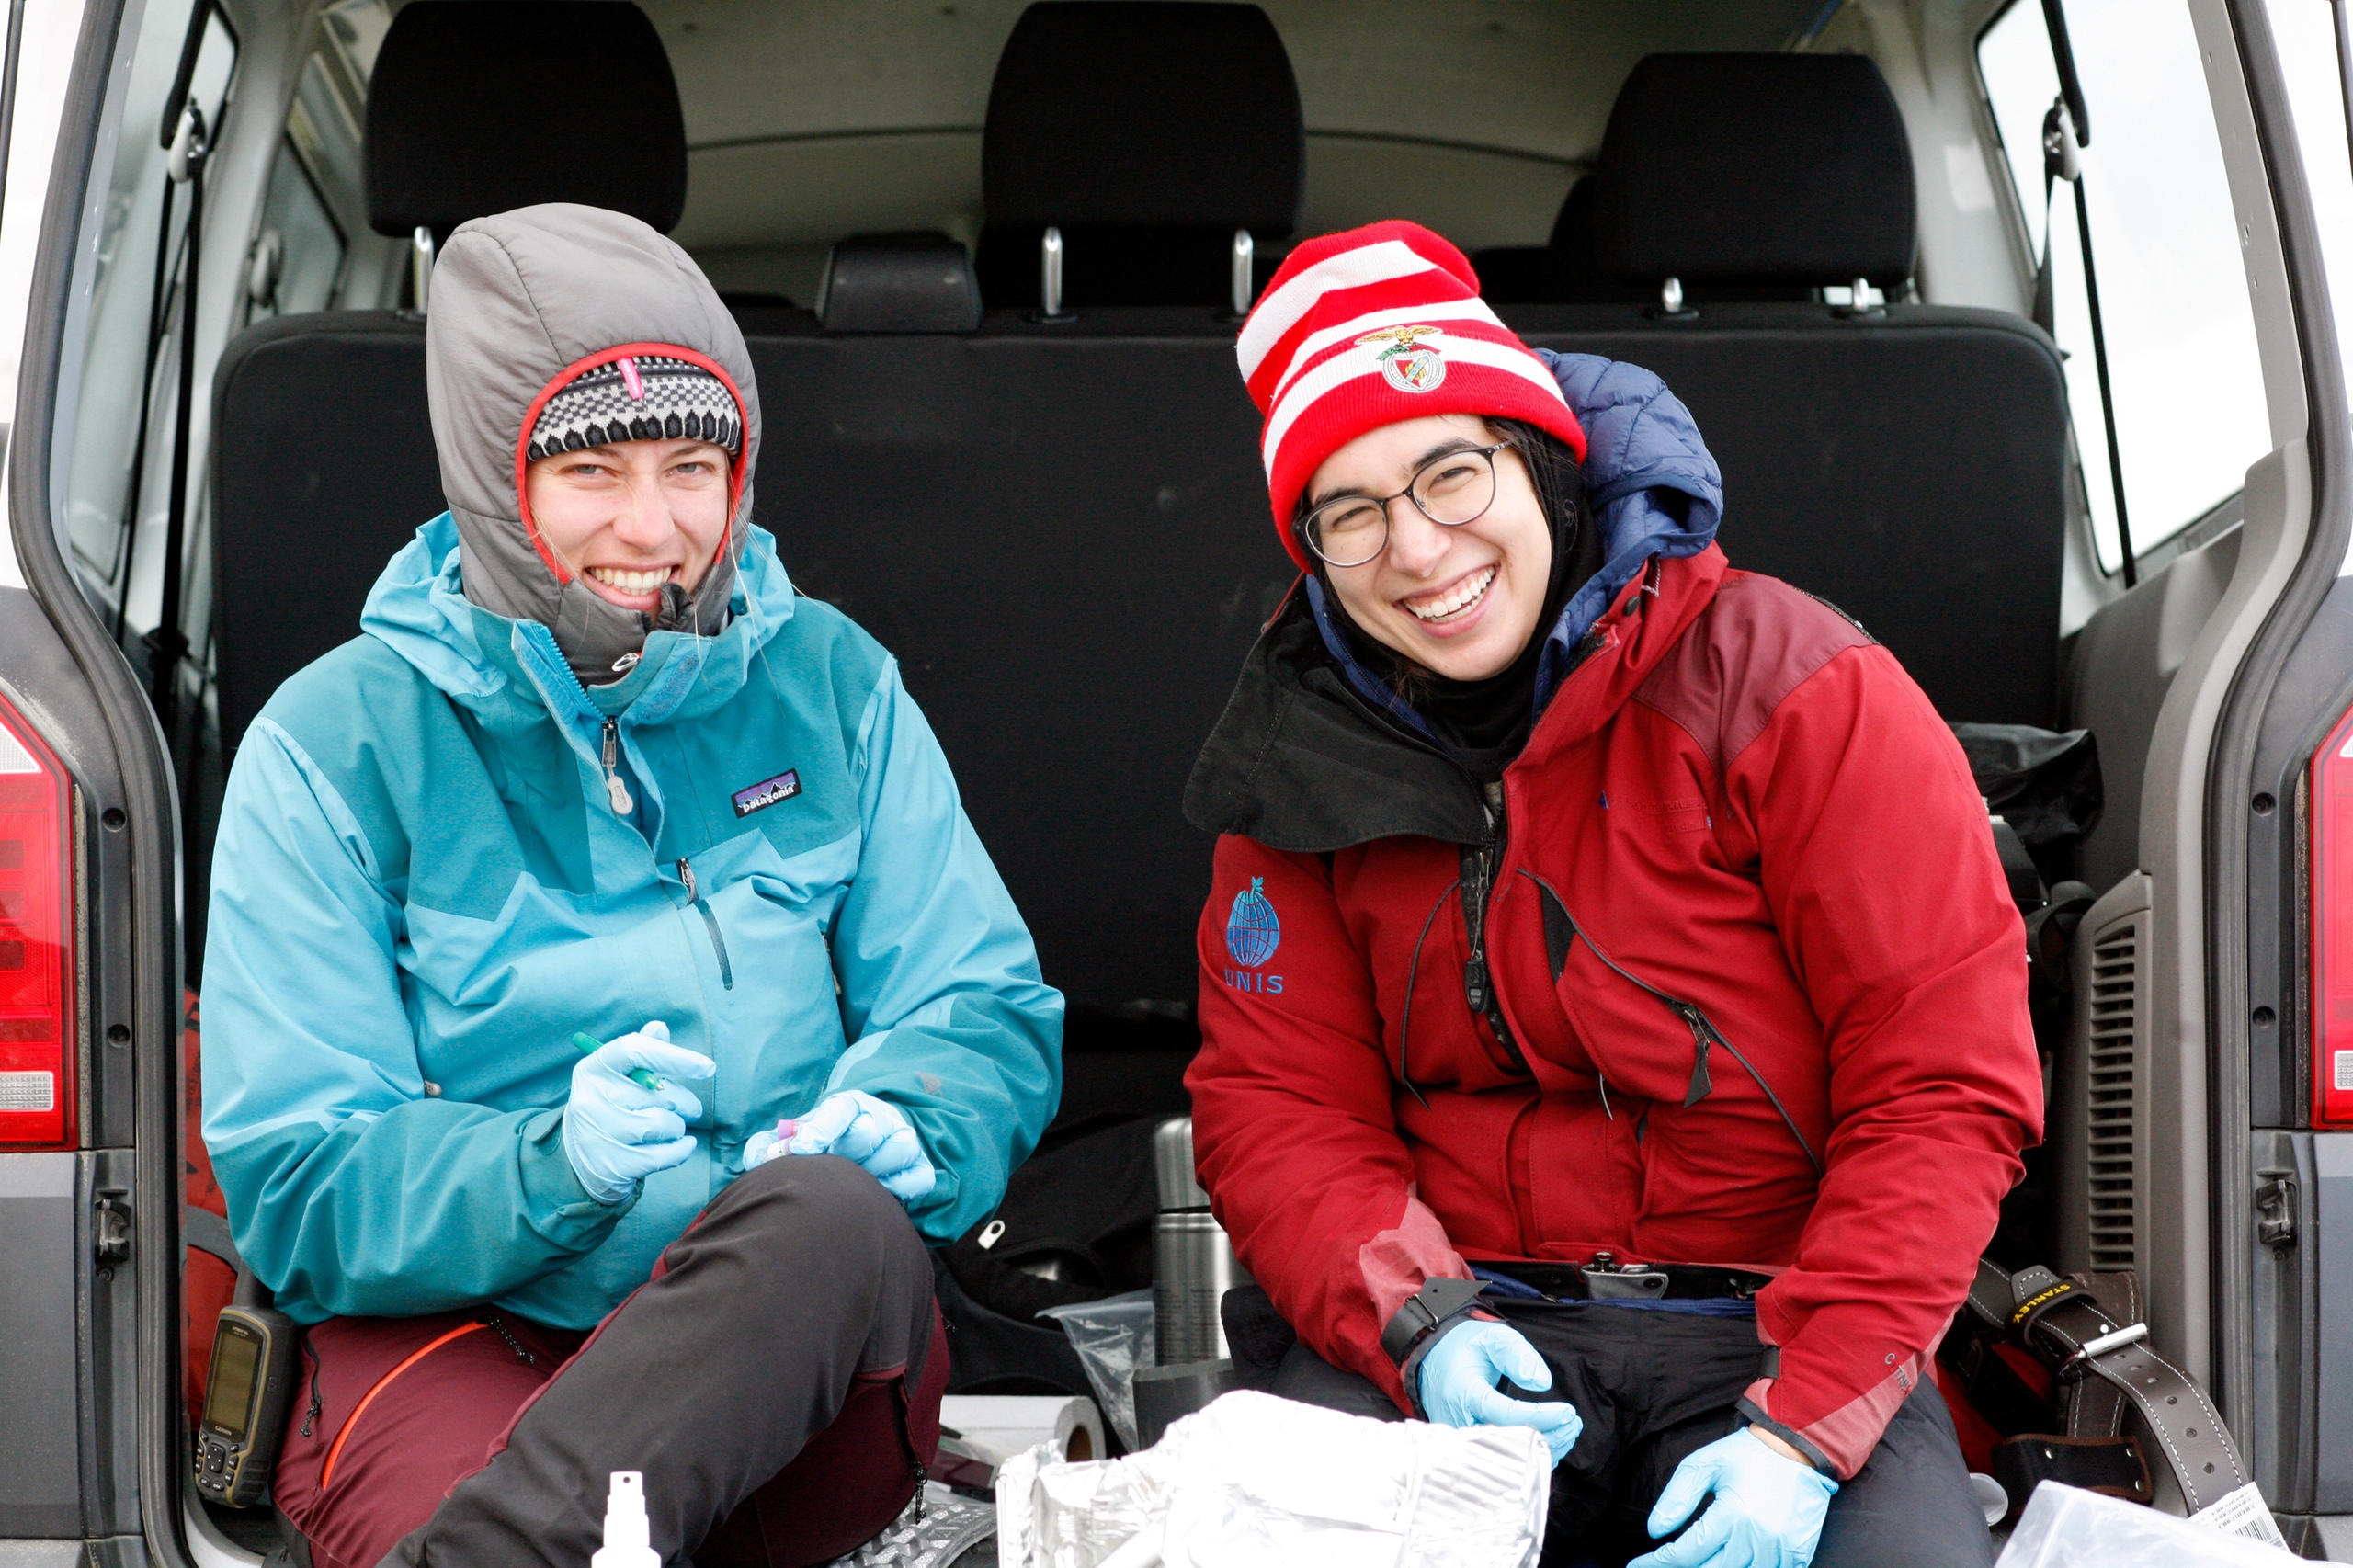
1860, 303
420, 260
1244, 255
1802, 162
1050, 276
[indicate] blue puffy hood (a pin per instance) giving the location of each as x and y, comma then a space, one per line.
1654, 491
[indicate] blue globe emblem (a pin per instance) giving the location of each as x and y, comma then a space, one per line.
1252, 932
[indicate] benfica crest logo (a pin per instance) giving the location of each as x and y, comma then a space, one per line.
1408, 364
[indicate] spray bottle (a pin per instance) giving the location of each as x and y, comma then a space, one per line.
628, 1538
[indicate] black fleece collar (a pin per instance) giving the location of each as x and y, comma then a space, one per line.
1300, 762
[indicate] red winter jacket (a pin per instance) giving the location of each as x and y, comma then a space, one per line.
1737, 821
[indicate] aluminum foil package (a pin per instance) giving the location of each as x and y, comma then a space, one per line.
1256, 1482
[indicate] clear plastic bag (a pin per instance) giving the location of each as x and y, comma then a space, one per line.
2066, 1527
1114, 1341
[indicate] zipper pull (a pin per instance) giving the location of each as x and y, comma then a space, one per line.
616, 791
687, 875
1699, 1025
1474, 984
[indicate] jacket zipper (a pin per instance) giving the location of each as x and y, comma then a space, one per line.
1479, 864
1704, 1033
616, 789
1481, 860
711, 922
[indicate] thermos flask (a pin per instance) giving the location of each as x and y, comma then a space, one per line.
1193, 1263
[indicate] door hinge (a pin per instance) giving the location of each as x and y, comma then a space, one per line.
110, 1228
2275, 1209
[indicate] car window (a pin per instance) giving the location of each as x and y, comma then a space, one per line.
298, 251
129, 362
2185, 382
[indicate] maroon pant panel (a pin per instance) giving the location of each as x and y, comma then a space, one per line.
393, 1415
428, 1426
823, 1503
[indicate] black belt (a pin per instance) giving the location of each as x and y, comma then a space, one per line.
1606, 1280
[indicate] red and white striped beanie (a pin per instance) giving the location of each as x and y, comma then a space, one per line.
1376, 325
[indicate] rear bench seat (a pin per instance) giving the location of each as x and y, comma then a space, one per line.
1059, 527
1907, 463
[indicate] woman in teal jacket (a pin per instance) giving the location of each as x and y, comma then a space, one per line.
623, 794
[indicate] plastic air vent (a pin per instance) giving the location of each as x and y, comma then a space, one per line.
2111, 1066
38, 1046
2098, 1121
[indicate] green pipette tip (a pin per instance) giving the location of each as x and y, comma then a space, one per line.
642, 1076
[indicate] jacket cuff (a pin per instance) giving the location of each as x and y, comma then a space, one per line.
1754, 1409
1412, 1364
555, 1203
1428, 1312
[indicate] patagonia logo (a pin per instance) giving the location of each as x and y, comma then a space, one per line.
767, 792
1252, 934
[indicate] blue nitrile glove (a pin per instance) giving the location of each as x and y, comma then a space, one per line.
1767, 1512
1457, 1384
862, 1130
616, 1132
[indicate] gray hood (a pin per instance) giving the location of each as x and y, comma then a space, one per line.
519, 301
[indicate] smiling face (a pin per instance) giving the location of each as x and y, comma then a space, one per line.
1461, 602
629, 517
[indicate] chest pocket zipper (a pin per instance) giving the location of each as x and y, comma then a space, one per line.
711, 922
1560, 931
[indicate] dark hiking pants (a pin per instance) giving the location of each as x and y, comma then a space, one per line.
1652, 1386
777, 1379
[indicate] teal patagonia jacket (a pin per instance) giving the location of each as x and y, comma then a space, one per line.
440, 857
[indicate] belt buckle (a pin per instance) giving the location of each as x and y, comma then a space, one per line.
1606, 1279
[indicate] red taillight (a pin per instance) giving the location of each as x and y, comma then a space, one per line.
2332, 938
37, 1040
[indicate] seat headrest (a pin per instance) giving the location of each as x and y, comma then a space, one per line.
1144, 113
920, 281
482, 106
1755, 168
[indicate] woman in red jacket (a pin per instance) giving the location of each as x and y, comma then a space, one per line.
1607, 984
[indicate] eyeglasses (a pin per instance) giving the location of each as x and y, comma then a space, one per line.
1450, 490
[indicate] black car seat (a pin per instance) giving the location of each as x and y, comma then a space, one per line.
1564, 268
1060, 527
1146, 134
1906, 461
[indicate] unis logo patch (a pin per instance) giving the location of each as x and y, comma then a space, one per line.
767, 792
1252, 934
1406, 363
